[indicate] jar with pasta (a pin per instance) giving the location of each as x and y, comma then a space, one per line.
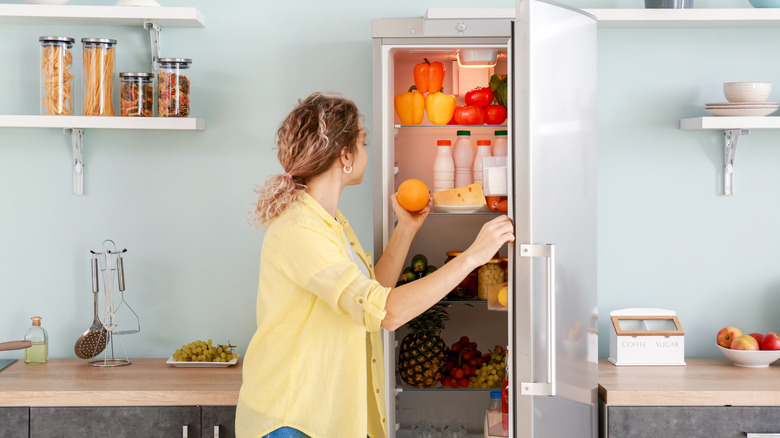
489, 274
98, 59
56, 77
173, 87
136, 94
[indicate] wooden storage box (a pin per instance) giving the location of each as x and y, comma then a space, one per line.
646, 337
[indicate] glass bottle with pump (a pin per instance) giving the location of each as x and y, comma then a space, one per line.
463, 155
38, 352
483, 150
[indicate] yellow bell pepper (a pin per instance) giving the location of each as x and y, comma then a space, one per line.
440, 107
410, 106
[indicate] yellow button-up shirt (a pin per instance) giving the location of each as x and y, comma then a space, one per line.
315, 362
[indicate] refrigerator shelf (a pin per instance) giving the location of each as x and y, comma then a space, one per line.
452, 126
441, 388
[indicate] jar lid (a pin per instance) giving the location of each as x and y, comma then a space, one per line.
483, 142
464, 132
494, 260
495, 394
443, 143
98, 41
454, 253
56, 39
501, 132
175, 61
36, 321
135, 75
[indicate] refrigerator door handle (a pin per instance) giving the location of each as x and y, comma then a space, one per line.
548, 387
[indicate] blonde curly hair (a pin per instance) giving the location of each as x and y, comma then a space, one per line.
309, 141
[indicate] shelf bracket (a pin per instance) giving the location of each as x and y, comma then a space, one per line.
154, 38
730, 139
77, 142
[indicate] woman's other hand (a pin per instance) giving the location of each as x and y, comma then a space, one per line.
491, 238
410, 220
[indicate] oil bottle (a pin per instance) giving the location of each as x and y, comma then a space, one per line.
38, 352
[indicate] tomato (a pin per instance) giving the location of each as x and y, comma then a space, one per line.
492, 202
495, 114
480, 96
503, 206
469, 115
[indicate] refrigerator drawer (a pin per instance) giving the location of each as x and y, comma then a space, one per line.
691, 421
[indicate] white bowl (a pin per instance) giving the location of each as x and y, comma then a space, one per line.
747, 91
751, 358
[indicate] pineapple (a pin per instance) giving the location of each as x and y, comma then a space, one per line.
421, 354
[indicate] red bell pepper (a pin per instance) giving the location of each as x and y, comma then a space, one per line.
429, 76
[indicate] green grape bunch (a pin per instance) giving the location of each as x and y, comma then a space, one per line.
199, 351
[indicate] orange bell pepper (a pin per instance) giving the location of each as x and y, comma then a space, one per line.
410, 106
440, 107
429, 76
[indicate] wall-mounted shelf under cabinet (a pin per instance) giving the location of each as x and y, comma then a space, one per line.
95, 122
733, 128
100, 15
151, 19
658, 18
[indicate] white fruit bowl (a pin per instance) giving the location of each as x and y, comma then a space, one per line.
751, 359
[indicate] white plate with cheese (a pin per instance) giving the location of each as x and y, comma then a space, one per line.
461, 209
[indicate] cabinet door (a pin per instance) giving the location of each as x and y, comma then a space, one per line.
115, 421
14, 422
221, 417
691, 421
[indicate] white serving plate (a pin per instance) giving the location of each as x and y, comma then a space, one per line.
181, 364
742, 105
461, 209
740, 112
751, 359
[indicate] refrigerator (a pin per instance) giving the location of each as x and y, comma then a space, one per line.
548, 52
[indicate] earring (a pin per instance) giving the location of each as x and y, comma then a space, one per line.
347, 169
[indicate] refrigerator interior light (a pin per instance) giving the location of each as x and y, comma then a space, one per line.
479, 58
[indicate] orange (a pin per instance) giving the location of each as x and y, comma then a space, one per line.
413, 194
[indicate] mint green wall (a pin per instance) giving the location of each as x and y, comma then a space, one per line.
179, 201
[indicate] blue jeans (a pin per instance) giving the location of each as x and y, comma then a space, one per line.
286, 432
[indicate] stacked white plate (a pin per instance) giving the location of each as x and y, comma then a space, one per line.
741, 109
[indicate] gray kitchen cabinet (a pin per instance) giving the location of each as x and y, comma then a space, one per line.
115, 421
218, 422
14, 422
689, 421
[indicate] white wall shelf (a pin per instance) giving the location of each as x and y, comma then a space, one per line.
660, 18
148, 18
98, 122
100, 15
733, 128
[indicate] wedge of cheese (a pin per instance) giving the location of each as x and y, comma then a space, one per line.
468, 195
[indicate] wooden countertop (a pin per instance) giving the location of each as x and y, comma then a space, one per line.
145, 382
702, 382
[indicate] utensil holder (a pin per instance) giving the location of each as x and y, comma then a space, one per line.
110, 265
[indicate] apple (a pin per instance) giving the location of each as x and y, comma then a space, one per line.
758, 337
744, 342
771, 341
726, 335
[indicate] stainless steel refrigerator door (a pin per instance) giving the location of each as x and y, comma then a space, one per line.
554, 208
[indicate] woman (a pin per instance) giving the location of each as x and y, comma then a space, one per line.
314, 367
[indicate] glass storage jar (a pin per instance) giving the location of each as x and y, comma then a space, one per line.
136, 94
173, 87
489, 274
38, 352
98, 59
56, 77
